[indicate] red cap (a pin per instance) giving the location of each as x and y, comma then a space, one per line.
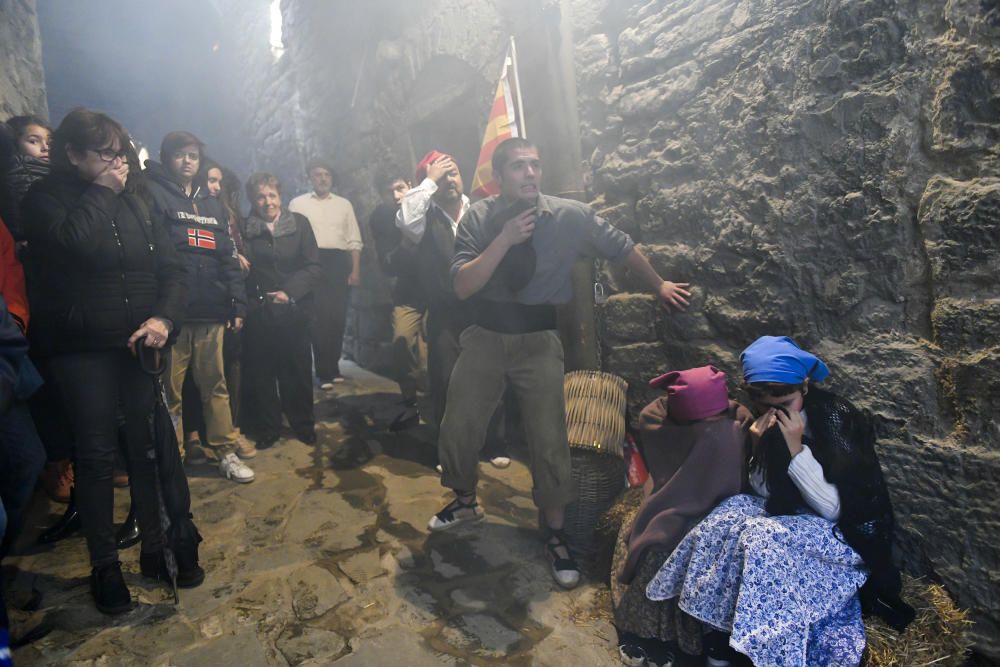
694, 394
422, 166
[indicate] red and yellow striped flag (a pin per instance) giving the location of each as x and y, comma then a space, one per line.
506, 121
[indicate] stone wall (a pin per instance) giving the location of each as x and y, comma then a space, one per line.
22, 81
826, 170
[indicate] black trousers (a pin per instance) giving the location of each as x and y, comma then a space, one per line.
276, 360
443, 330
95, 388
331, 296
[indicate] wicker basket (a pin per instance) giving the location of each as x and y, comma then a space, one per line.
595, 411
595, 425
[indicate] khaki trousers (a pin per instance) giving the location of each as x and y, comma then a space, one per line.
199, 350
532, 366
407, 330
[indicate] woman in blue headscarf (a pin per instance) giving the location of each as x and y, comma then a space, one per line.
776, 574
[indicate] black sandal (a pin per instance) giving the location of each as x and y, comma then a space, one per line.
447, 518
565, 571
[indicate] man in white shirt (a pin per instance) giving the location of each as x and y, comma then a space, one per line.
339, 240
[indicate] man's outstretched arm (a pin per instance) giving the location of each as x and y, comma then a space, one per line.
669, 294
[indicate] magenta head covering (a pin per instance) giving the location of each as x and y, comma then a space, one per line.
694, 394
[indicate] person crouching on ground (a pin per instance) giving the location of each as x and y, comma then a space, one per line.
216, 300
694, 443
776, 575
513, 339
284, 268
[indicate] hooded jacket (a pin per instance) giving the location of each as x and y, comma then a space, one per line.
199, 231
99, 266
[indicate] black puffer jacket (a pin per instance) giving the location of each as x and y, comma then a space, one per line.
99, 266
842, 440
200, 233
287, 260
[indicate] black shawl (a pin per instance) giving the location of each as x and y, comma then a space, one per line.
842, 439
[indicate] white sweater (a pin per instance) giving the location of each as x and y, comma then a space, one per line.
807, 475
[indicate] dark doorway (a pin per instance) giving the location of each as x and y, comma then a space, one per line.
450, 101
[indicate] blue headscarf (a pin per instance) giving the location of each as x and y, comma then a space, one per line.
779, 359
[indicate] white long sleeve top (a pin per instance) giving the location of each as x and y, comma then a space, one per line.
807, 475
332, 220
411, 218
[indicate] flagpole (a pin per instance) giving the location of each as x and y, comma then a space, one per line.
517, 89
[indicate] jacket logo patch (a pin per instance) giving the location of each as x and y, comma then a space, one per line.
200, 219
201, 238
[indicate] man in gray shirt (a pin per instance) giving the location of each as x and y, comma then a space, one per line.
514, 254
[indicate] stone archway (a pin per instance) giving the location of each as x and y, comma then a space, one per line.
448, 108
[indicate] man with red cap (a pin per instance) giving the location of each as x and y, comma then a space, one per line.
429, 217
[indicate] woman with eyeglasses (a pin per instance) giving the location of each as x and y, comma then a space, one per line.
104, 277
775, 573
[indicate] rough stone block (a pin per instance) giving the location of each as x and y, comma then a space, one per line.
966, 324
299, 644
961, 234
975, 382
315, 591
629, 318
238, 649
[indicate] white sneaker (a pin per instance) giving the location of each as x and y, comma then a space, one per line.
565, 571
232, 468
326, 386
500, 462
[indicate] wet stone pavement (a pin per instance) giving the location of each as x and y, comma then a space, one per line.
325, 559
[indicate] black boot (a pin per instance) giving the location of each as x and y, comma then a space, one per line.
154, 566
67, 525
108, 587
128, 533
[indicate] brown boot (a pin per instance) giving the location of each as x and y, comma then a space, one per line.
58, 480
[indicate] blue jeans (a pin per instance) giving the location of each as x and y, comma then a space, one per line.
22, 457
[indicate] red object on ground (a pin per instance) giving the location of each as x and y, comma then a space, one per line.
635, 466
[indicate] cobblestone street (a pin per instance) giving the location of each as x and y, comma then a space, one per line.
325, 559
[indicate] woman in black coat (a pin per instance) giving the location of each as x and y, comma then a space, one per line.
104, 277
284, 267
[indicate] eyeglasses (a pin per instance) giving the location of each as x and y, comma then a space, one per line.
193, 156
109, 154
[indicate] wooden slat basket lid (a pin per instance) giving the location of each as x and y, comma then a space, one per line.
595, 411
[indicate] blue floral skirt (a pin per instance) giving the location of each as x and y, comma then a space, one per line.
785, 587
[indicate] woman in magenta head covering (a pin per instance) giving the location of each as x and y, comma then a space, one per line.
693, 441
776, 574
